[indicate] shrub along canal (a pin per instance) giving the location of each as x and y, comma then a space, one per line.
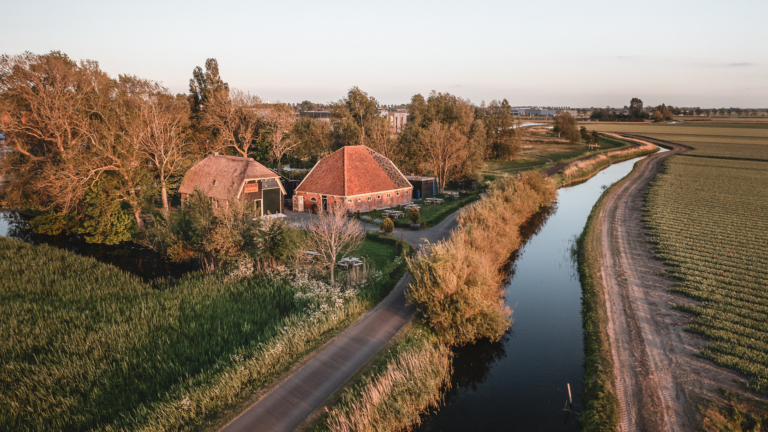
520, 383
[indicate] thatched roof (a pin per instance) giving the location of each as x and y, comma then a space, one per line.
221, 177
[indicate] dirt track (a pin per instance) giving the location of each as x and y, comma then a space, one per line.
656, 374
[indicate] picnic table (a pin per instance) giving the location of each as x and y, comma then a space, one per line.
310, 255
433, 200
409, 206
454, 193
395, 214
348, 262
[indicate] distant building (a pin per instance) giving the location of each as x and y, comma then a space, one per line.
319, 115
356, 177
397, 118
223, 178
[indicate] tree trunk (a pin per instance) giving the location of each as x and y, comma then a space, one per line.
164, 195
333, 264
139, 221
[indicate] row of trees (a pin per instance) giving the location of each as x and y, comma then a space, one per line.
445, 136
91, 152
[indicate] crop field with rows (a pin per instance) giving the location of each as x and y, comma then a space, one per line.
728, 140
709, 220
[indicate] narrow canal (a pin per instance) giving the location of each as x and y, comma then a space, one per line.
520, 383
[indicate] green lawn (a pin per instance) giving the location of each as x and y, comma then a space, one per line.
433, 214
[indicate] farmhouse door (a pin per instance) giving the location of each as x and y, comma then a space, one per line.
300, 200
257, 205
272, 199
325, 203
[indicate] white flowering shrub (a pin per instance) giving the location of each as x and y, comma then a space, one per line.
244, 268
365, 218
377, 221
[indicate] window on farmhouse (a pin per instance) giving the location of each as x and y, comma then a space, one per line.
369, 198
397, 193
349, 201
378, 196
406, 192
389, 195
359, 200
313, 199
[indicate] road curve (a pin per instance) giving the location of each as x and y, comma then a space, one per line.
291, 402
650, 394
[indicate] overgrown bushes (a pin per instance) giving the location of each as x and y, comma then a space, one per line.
457, 283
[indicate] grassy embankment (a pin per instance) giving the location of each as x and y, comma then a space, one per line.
537, 155
601, 406
457, 288
87, 346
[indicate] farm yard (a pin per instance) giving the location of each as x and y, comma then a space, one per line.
708, 220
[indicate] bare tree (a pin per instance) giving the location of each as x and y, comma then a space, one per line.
165, 144
332, 233
279, 121
383, 140
443, 151
235, 120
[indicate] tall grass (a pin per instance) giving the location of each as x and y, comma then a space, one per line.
86, 346
581, 170
457, 283
410, 382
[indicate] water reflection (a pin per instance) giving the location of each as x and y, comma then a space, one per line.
520, 382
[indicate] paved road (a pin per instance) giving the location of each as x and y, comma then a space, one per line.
291, 402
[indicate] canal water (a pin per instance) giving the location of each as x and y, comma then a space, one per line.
520, 383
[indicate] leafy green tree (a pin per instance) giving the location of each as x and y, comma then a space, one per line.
387, 226
567, 127
108, 219
353, 117
636, 111
503, 138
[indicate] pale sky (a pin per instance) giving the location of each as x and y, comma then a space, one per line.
564, 53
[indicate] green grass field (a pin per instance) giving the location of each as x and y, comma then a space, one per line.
433, 214
86, 346
539, 154
709, 220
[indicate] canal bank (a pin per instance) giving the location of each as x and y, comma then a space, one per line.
521, 382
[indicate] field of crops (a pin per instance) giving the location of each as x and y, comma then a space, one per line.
86, 346
709, 218
719, 130
730, 140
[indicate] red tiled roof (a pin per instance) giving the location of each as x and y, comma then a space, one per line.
353, 170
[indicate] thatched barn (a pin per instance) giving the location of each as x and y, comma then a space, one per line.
223, 178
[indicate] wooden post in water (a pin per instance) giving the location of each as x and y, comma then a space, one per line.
570, 399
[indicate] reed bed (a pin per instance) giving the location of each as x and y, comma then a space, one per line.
89, 347
412, 381
584, 169
457, 283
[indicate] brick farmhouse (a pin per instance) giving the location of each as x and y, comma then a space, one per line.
223, 178
356, 176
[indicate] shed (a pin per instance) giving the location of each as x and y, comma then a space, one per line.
423, 187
